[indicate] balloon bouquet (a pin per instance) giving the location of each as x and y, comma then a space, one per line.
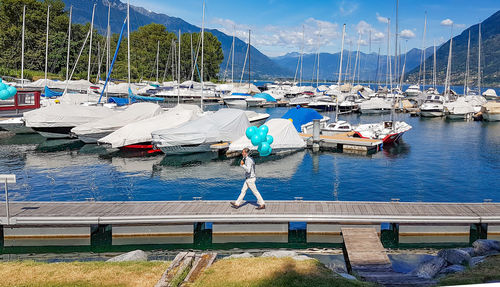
6, 91
260, 139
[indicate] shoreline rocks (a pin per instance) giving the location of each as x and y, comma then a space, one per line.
136, 255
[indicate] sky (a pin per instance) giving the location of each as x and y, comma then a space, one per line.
282, 26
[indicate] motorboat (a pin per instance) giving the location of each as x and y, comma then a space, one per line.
137, 135
490, 94
286, 138
56, 121
322, 103
432, 106
389, 132
260, 99
337, 127
92, 131
375, 105
413, 91
256, 119
302, 100
236, 100
491, 111
199, 135
459, 109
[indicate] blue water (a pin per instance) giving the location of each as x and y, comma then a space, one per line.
439, 160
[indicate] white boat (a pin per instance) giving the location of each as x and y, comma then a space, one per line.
137, 135
198, 135
413, 91
236, 100
490, 94
56, 121
375, 105
302, 100
389, 132
323, 103
432, 107
286, 138
16, 125
254, 102
491, 111
338, 127
459, 109
256, 119
94, 130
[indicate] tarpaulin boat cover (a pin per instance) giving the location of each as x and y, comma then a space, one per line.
223, 125
492, 107
301, 116
265, 96
460, 106
375, 103
284, 133
63, 115
140, 132
132, 113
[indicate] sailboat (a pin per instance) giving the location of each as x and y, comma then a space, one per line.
239, 95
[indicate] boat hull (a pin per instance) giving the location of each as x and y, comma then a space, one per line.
431, 113
53, 132
92, 138
180, 150
491, 117
459, 116
374, 111
236, 103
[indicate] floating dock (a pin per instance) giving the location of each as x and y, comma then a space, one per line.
344, 142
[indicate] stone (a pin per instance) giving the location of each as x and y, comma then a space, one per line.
452, 269
279, 254
302, 258
430, 268
337, 267
242, 255
455, 256
347, 276
136, 255
486, 246
476, 260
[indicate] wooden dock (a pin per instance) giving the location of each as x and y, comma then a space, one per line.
344, 141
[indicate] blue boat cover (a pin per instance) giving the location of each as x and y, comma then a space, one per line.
241, 94
301, 116
265, 96
120, 101
143, 98
51, 94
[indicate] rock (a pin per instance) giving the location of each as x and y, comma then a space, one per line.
455, 256
136, 255
279, 254
476, 260
347, 276
486, 246
430, 268
452, 269
242, 255
337, 267
302, 258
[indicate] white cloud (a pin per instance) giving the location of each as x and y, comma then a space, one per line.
378, 36
347, 8
382, 19
447, 22
407, 34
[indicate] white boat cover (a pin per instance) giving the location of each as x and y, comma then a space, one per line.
122, 88
284, 133
459, 107
223, 125
375, 103
63, 115
140, 132
491, 108
131, 114
245, 89
490, 93
80, 85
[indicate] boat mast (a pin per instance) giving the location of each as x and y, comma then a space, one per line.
466, 80
69, 42
317, 68
448, 69
396, 59
301, 56
340, 74
202, 47
479, 62
434, 80
423, 48
356, 62
90, 47
157, 61
390, 69
22, 47
404, 66
174, 57
47, 45
108, 43
191, 52
128, 46
179, 71
232, 59
244, 64
249, 63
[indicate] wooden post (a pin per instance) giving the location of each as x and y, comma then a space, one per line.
101, 237
478, 231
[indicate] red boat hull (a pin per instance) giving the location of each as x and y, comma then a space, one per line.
389, 139
148, 148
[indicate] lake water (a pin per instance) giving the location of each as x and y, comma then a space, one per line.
439, 160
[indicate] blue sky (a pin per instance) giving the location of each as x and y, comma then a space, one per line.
277, 25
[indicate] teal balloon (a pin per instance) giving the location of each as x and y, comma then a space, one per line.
269, 139
3, 86
256, 140
0, 80
266, 153
12, 91
250, 132
4, 94
264, 129
264, 148
262, 135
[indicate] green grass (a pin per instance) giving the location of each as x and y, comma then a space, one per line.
487, 271
263, 272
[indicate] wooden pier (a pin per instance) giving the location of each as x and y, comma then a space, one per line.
344, 141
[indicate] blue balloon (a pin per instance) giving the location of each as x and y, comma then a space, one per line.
264, 129
250, 132
12, 91
1, 80
262, 135
269, 139
264, 148
3, 86
4, 94
256, 140
267, 153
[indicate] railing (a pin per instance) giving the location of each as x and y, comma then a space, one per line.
23, 100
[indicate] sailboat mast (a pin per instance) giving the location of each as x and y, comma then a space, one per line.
356, 62
341, 56
108, 45
69, 42
423, 48
466, 80
90, 47
401, 79
249, 53
157, 61
202, 50
448, 69
191, 51
179, 71
479, 62
47, 45
396, 59
434, 78
232, 59
390, 70
317, 68
128, 46
301, 57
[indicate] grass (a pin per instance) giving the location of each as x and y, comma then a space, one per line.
487, 271
260, 272
30, 273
